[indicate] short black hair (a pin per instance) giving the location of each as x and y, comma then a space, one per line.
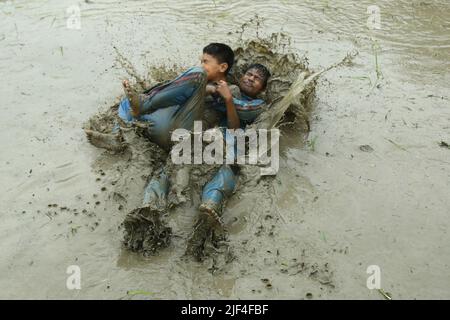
261, 69
222, 52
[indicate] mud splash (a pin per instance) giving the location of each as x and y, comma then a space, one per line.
146, 229
285, 67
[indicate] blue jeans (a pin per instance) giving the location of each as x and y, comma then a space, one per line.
220, 187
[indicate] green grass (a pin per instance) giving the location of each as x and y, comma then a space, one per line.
312, 143
139, 292
376, 49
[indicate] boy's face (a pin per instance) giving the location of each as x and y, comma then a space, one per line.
214, 69
252, 83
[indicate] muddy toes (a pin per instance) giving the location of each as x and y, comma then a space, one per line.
126, 86
112, 142
211, 214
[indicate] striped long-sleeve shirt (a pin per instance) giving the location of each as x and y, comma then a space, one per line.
248, 109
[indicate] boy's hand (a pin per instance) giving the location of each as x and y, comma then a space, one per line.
223, 89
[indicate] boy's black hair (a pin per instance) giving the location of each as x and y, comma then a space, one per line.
262, 70
222, 52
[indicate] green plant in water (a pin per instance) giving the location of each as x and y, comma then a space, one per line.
312, 143
139, 292
375, 49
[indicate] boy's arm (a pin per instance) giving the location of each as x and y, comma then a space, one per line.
232, 116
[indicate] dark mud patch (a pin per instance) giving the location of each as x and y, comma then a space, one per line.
146, 231
366, 148
444, 144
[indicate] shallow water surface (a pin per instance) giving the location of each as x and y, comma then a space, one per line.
334, 208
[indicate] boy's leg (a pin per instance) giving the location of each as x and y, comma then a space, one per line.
193, 109
168, 187
155, 193
168, 115
215, 191
164, 120
177, 92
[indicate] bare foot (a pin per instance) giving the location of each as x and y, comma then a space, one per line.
211, 214
133, 96
112, 142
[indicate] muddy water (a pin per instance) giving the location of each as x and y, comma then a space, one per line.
334, 208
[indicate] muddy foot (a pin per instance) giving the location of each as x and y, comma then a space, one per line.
112, 142
145, 231
133, 96
206, 239
212, 214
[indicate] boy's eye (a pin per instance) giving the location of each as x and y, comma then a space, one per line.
257, 77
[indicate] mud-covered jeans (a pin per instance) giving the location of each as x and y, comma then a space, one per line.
176, 104
220, 187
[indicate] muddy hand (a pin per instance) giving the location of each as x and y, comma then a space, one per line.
224, 90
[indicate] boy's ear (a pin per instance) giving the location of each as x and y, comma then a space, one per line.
223, 67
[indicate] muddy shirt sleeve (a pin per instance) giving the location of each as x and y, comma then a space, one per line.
247, 109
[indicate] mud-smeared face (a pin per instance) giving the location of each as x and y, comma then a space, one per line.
214, 69
252, 83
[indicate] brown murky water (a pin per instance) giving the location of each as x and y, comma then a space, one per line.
335, 208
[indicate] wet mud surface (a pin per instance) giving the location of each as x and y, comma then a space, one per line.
364, 169
145, 228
